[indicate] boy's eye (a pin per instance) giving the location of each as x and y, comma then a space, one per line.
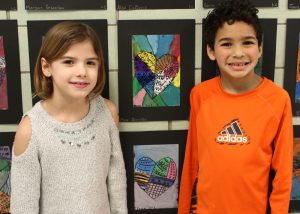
226, 44
248, 43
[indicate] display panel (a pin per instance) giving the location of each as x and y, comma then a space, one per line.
295, 194
11, 108
6, 140
156, 69
153, 162
257, 3
8, 5
65, 5
292, 63
154, 4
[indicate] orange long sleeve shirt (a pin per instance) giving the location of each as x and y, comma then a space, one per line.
234, 140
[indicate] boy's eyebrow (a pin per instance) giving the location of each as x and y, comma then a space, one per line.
229, 39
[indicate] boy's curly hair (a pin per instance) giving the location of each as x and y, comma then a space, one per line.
230, 11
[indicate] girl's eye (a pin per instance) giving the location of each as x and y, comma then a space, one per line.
68, 62
91, 63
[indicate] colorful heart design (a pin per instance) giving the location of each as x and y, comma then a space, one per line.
153, 74
155, 177
2, 70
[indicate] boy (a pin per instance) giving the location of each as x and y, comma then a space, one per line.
240, 125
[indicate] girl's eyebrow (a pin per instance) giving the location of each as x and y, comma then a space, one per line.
70, 57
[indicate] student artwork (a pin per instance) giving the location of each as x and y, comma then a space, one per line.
10, 75
153, 167
297, 92
293, 4
257, 3
295, 193
292, 64
155, 176
156, 75
65, 5
36, 31
3, 78
154, 4
8, 5
266, 64
155, 69
5, 166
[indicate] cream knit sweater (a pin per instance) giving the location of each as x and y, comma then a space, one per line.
70, 168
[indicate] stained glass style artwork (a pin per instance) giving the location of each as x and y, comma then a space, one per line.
156, 75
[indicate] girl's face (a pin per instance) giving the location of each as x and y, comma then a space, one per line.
74, 75
236, 50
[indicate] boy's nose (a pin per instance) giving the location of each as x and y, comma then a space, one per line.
238, 51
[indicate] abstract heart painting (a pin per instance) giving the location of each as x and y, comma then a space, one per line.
5, 164
3, 78
155, 176
297, 92
156, 70
6, 139
295, 195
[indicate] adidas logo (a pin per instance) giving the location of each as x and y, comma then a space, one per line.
232, 134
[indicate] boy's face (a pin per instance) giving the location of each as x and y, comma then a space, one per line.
236, 50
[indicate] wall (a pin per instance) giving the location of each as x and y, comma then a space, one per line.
112, 15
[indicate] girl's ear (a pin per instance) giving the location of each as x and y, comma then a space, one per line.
210, 53
45, 67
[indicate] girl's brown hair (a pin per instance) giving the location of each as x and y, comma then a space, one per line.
56, 43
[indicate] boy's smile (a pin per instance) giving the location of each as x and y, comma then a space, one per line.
237, 52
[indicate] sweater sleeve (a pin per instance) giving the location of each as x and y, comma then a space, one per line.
117, 176
25, 182
282, 163
190, 166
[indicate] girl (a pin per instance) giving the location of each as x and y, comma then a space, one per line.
67, 155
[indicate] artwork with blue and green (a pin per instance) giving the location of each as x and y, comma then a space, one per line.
156, 70
297, 92
5, 189
295, 194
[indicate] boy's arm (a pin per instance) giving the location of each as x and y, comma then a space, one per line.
190, 166
25, 172
282, 163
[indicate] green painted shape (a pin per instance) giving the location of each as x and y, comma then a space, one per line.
136, 86
161, 167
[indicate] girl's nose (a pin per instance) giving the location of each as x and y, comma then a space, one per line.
81, 70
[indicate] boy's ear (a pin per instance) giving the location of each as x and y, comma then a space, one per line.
210, 53
260, 51
45, 67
